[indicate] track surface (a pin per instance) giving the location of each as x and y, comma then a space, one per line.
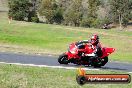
52, 61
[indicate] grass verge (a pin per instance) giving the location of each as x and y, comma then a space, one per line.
12, 76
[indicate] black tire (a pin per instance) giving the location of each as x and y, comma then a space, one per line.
63, 59
97, 66
97, 63
81, 80
105, 60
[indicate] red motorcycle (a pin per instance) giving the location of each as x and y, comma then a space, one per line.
81, 53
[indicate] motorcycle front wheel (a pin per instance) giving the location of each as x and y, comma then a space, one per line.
63, 59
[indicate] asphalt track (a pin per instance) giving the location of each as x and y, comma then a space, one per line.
51, 61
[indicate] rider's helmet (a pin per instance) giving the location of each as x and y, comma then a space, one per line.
94, 39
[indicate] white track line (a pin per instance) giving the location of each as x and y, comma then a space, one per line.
33, 65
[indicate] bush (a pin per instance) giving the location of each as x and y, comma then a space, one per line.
88, 22
130, 16
85, 23
96, 23
58, 16
35, 19
19, 15
99, 23
18, 9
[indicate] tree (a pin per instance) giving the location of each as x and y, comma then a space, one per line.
73, 14
32, 13
91, 17
93, 7
18, 9
58, 15
46, 9
120, 11
103, 13
64, 4
51, 11
130, 8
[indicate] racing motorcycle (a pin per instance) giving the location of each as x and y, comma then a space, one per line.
81, 53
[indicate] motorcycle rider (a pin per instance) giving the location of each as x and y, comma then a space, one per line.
95, 44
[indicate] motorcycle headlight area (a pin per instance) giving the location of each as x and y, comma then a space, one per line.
73, 51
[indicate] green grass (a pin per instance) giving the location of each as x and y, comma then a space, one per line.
55, 39
12, 76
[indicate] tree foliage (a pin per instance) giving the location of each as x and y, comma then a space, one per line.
90, 17
51, 11
120, 11
18, 9
85, 13
93, 7
21, 9
73, 14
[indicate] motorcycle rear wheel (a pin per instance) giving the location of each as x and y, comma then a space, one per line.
104, 61
97, 63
